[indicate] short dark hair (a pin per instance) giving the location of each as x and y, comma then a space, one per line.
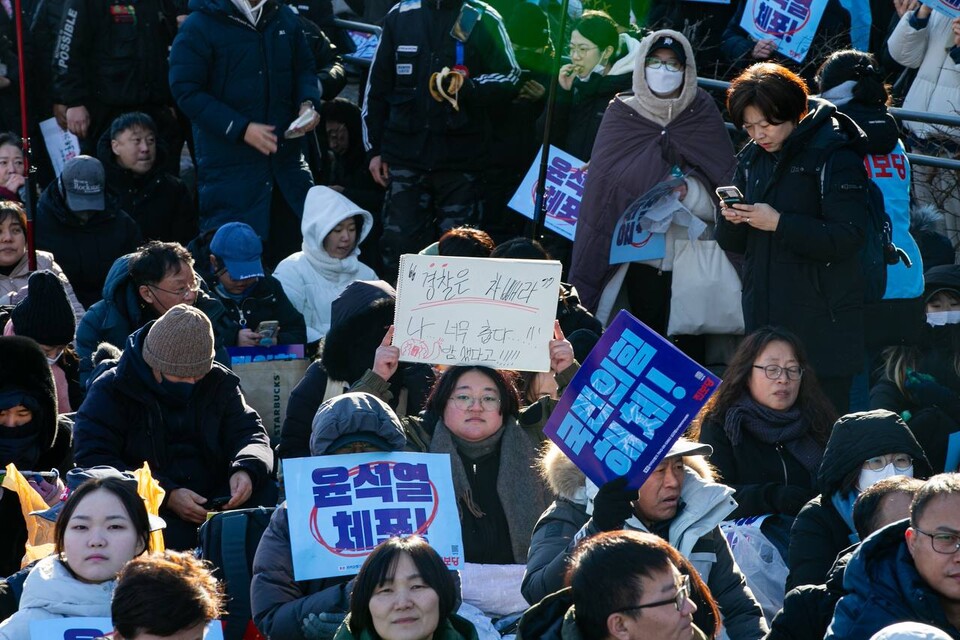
521, 248
778, 93
15, 210
466, 242
127, 496
381, 565
505, 382
162, 594
9, 137
129, 120
154, 260
606, 571
942, 484
867, 506
600, 29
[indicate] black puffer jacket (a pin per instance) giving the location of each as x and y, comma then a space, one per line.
806, 276
159, 202
23, 366
819, 532
808, 609
84, 251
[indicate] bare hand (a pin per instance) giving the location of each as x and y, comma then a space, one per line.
682, 190
760, 216
561, 351
187, 505
923, 12
49, 491
241, 488
180, 18
567, 73
78, 121
903, 6
14, 182
60, 115
955, 25
763, 49
380, 171
387, 359
261, 137
531, 91
248, 338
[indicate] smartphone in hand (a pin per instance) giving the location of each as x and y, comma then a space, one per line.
729, 195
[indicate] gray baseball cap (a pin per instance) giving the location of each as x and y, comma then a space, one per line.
84, 184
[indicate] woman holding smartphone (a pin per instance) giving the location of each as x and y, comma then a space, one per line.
802, 173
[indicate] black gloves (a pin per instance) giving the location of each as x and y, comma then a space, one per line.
612, 505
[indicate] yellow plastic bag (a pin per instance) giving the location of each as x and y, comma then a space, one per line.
39, 530
152, 494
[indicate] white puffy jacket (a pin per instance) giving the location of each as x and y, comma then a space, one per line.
311, 278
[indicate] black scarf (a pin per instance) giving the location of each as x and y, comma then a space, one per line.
21, 446
770, 426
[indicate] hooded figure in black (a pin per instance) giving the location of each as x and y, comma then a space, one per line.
361, 316
31, 436
825, 526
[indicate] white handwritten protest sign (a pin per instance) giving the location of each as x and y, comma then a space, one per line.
485, 311
341, 507
791, 24
92, 628
949, 7
565, 181
61, 145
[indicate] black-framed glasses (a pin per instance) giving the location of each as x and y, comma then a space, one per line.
945, 543
900, 462
654, 62
679, 600
774, 371
183, 292
581, 49
466, 402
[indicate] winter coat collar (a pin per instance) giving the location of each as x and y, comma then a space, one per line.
51, 587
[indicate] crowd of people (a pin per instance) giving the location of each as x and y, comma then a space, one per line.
228, 198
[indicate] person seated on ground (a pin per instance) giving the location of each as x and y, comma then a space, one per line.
922, 382
46, 316
15, 263
863, 449
170, 595
808, 609
84, 227
624, 585
360, 318
12, 169
332, 227
465, 242
768, 425
101, 526
136, 169
282, 606
349, 173
168, 403
906, 571
250, 297
32, 437
683, 478
140, 287
404, 591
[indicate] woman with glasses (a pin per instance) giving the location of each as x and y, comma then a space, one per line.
863, 449
601, 66
666, 129
802, 221
768, 425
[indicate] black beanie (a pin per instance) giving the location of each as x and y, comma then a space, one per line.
46, 314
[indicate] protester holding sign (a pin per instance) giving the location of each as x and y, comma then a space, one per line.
404, 591
802, 222
666, 126
684, 478
102, 526
283, 607
768, 425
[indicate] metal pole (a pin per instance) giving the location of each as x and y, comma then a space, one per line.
25, 137
540, 210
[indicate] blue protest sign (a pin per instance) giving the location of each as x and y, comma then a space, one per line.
630, 242
565, 183
341, 507
92, 628
631, 399
244, 355
791, 24
949, 7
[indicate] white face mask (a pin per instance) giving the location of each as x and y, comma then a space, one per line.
52, 361
942, 318
869, 478
662, 81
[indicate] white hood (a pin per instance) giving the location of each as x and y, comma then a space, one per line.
323, 210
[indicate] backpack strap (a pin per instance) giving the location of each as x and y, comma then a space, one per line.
236, 573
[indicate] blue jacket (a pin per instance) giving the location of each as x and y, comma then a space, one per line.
883, 587
225, 74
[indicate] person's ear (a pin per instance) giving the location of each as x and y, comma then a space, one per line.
114, 145
606, 55
616, 628
145, 293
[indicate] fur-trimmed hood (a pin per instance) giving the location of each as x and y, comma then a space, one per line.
24, 366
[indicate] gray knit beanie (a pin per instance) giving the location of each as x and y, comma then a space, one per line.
180, 343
